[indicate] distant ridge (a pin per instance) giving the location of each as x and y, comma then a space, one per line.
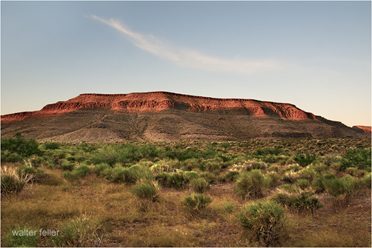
161, 100
167, 116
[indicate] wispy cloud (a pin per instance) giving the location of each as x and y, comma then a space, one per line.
187, 57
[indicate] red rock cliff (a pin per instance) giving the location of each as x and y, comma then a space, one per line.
158, 101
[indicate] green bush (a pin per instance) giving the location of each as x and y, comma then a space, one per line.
319, 184
304, 160
342, 187
360, 158
99, 168
199, 185
18, 148
299, 200
190, 175
132, 174
50, 145
196, 202
252, 184
75, 233
303, 183
273, 168
22, 237
82, 171
366, 180
262, 218
146, 190
67, 165
354, 171
176, 179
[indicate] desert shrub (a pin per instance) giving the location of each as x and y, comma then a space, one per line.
191, 163
360, 158
267, 151
18, 148
366, 180
148, 151
50, 145
304, 160
210, 177
275, 177
199, 185
255, 165
196, 202
288, 187
319, 167
354, 171
229, 207
146, 189
307, 173
212, 165
76, 233
67, 165
132, 174
298, 200
18, 237
252, 184
190, 175
81, 171
176, 179
303, 183
273, 168
231, 175
291, 176
11, 182
342, 187
262, 219
107, 155
319, 184
86, 148
99, 168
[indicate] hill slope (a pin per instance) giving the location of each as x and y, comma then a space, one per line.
164, 116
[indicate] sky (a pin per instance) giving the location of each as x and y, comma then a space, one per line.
315, 55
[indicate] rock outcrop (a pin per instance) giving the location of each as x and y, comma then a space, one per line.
164, 116
159, 101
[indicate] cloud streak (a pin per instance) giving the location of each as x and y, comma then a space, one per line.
187, 57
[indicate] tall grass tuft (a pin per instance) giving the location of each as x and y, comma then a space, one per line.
12, 181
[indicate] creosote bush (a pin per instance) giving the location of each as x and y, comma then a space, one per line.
342, 188
298, 200
304, 160
199, 185
251, 184
262, 219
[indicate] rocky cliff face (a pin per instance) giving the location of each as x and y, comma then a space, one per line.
159, 101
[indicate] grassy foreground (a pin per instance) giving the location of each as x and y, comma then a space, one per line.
254, 193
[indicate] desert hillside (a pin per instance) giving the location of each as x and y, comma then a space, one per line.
165, 116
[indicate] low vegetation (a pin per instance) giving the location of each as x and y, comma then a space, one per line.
254, 193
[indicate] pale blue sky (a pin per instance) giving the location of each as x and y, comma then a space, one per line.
316, 55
